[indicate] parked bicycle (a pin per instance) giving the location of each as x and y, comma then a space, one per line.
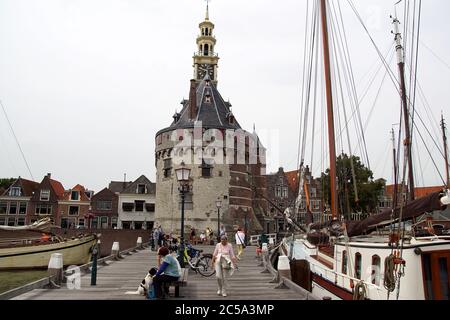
197, 260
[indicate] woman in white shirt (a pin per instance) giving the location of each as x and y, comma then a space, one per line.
240, 242
224, 261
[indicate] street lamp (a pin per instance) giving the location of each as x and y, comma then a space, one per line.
218, 205
246, 225
183, 174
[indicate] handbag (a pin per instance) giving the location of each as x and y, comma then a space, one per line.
226, 264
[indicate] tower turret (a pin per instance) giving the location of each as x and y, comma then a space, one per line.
205, 59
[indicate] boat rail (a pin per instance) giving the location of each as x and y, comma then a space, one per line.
345, 281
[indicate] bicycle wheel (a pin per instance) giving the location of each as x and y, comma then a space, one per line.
204, 266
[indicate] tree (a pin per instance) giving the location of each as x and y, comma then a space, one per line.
5, 183
369, 190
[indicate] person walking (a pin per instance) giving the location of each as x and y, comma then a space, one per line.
155, 243
224, 261
240, 242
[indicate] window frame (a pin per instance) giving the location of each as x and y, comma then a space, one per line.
15, 194
42, 193
12, 204
73, 215
72, 192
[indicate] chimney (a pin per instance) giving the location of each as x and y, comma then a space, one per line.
49, 175
193, 101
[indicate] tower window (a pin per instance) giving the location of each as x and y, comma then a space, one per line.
206, 50
206, 31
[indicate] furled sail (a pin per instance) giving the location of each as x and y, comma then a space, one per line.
412, 210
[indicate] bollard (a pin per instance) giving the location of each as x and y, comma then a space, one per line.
264, 252
284, 270
94, 266
115, 250
284, 267
139, 243
55, 268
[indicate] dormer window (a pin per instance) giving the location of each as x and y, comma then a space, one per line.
141, 189
207, 99
45, 195
15, 192
75, 195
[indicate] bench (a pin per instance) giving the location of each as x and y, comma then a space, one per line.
181, 282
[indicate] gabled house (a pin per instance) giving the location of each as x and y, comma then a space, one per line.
73, 208
104, 209
14, 202
137, 204
44, 202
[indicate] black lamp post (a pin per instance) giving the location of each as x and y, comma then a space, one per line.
218, 205
183, 174
246, 225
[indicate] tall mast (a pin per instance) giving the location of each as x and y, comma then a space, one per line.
331, 133
444, 135
394, 203
408, 142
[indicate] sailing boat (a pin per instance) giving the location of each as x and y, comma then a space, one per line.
359, 259
21, 249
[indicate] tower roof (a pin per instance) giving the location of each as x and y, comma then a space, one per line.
212, 110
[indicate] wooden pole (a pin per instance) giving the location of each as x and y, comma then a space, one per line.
444, 135
331, 132
407, 142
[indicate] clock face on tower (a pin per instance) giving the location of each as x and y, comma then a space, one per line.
204, 68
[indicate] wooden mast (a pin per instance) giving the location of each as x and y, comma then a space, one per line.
407, 142
444, 135
395, 194
331, 132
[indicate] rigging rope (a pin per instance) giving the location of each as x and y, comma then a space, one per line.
17, 140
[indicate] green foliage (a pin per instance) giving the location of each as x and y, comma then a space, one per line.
6, 182
369, 189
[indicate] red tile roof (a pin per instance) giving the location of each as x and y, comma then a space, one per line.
58, 188
29, 187
424, 191
78, 187
419, 192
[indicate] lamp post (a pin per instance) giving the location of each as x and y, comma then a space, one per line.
183, 174
245, 225
218, 205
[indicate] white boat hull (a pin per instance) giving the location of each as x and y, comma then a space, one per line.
75, 252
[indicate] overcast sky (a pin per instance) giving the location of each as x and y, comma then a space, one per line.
88, 83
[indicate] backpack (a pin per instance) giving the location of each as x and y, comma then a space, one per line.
151, 293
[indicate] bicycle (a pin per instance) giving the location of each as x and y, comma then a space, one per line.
198, 261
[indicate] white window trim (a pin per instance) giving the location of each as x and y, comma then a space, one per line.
15, 194
44, 191
79, 195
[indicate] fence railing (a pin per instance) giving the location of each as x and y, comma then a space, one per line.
254, 239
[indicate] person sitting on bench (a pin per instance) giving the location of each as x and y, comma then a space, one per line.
168, 271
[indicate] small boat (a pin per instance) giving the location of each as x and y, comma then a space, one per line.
20, 248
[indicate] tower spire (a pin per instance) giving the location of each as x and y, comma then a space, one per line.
207, 10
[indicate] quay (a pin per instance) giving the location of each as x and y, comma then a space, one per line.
249, 282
